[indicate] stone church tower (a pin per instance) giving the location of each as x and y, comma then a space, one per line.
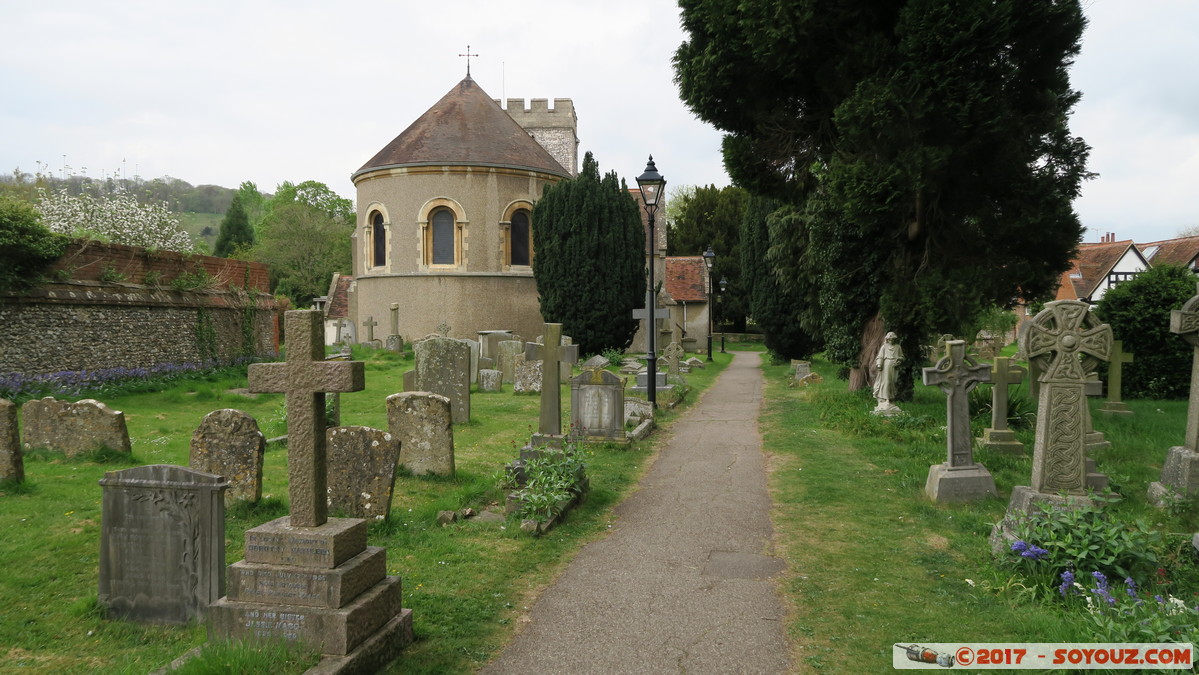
444, 215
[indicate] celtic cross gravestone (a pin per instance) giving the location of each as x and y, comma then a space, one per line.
960, 478
1180, 473
999, 436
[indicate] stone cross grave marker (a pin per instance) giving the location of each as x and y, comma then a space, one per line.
1180, 472
1114, 404
443, 329
999, 436
960, 478
370, 324
659, 314
162, 543
1068, 342
553, 353
305, 377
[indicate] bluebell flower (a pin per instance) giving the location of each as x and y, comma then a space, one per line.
1034, 553
1019, 546
1131, 587
1067, 582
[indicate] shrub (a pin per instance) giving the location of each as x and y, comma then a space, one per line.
26, 246
1138, 311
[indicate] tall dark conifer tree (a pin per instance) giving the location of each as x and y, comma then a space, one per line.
589, 258
236, 231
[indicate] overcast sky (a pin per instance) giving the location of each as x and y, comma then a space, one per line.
223, 91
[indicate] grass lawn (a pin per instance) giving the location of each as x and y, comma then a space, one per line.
468, 584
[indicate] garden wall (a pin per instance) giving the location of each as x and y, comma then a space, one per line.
112, 306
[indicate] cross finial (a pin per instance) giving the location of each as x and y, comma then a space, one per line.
467, 55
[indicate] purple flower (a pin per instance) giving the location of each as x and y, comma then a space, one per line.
1034, 553
1067, 582
1131, 587
1019, 546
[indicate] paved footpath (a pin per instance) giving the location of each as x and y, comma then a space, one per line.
682, 582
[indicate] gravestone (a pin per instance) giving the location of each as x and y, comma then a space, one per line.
307, 578
228, 443
395, 318
597, 405
1115, 378
999, 437
1066, 342
630, 366
553, 353
362, 471
162, 544
443, 367
642, 385
1180, 472
370, 324
506, 358
490, 380
12, 464
395, 343
674, 355
528, 376
474, 348
421, 423
695, 362
597, 362
489, 342
73, 428
960, 478
802, 369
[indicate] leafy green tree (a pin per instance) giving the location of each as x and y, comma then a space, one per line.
236, 232
788, 329
924, 144
26, 246
711, 216
590, 262
1138, 310
303, 246
254, 204
314, 194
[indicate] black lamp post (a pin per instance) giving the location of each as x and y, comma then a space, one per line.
652, 184
709, 260
724, 283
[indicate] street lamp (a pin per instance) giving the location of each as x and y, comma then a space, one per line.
724, 284
651, 183
709, 260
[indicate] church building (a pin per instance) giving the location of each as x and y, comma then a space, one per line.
444, 215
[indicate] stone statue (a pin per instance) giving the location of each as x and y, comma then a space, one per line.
887, 361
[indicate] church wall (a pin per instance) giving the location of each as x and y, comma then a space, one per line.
467, 303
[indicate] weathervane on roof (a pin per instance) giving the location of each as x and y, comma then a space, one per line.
467, 55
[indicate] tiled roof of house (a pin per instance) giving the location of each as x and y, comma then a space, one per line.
685, 279
1093, 264
1181, 251
466, 127
339, 299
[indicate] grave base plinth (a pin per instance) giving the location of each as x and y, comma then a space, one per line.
279, 543
959, 484
1115, 408
1027, 502
1001, 440
306, 586
375, 652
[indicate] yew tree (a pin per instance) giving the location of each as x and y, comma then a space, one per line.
590, 258
923, 145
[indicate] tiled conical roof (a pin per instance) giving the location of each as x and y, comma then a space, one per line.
465, 127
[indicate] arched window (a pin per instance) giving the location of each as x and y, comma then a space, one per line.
443, 236
378, 240
520, 251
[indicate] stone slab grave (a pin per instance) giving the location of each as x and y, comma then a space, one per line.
553, 353
505, 358
162, 544
597, 406
443, 367
73, 428
959, 478
642, 385
1114, 405
490, 380
597, 362
474, 348
998, 436
12, 463
527, 378
1180, 472
308, 578
695, 363
228, 443
421, 423
362, 471
1066, 342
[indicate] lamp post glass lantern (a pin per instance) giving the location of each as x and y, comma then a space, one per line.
709, 261
652, 185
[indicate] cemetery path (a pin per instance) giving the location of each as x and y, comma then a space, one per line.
683, 582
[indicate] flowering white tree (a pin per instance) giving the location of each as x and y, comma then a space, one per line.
117, 218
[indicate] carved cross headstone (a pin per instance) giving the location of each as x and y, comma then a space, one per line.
651, 311
1066, 342
956, 374
553, 353
443, 329
1115, 378
1004, 373
1185, 322
370, 324
305, 377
